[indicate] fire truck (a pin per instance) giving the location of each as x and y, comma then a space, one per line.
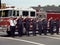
54, 15
5, 15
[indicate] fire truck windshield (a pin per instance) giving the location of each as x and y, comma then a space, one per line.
5, 13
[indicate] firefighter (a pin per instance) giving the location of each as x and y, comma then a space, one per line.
12, 26
40, 26
44, 25
34, 26
57, 25
20, 26
27, 25
51, 25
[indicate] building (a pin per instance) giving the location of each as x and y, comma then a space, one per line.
3, 6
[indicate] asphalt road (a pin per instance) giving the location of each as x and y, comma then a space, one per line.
31, 40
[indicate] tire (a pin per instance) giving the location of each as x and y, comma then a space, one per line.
8, 33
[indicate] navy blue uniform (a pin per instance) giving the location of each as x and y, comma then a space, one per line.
51, 26
27, 26
20, 27
34, 27
12, 29
44, 24
57, 26
40, 27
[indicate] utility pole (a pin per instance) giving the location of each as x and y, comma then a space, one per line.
0, 4
0, 13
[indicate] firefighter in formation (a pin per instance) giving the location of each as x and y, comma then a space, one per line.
43, 27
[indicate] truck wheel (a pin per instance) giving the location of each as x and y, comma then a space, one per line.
8, 33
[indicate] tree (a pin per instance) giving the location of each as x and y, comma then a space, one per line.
59, 6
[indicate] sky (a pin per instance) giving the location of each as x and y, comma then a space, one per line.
29, 3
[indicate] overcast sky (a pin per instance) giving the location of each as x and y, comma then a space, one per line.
29, 3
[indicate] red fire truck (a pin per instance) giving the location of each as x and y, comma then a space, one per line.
54, 15
5, 14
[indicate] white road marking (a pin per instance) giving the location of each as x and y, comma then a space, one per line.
22, 40
51, 37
